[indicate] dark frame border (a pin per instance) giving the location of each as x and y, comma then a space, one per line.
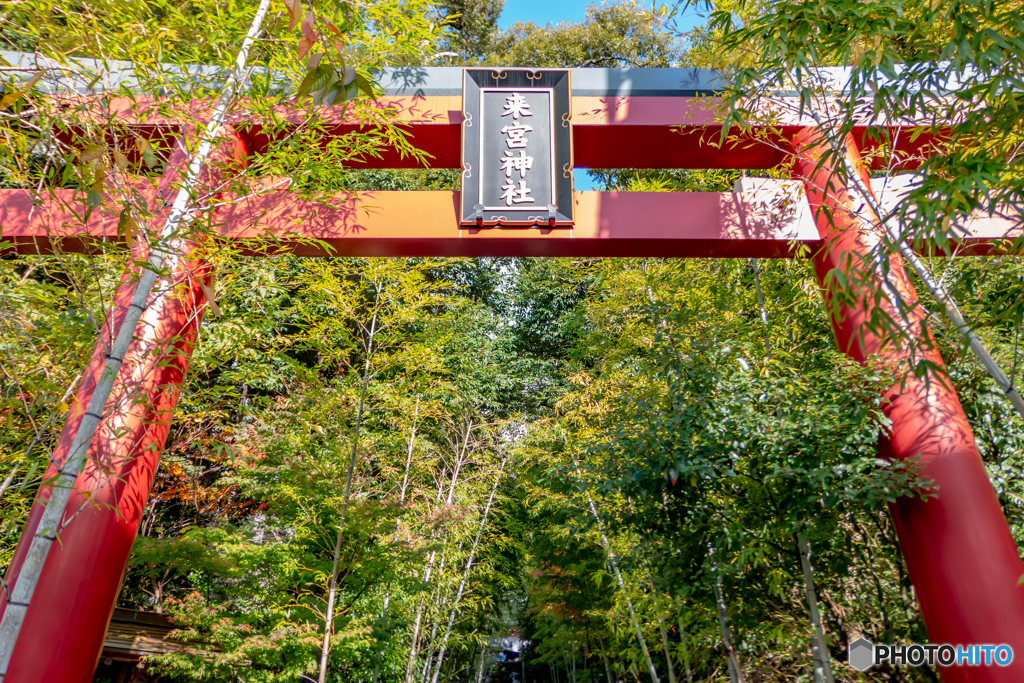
558, 80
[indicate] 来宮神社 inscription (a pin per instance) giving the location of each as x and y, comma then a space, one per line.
516, 148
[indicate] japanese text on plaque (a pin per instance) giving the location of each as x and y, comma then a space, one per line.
516, 191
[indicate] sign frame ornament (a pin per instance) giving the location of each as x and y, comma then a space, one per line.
490, 169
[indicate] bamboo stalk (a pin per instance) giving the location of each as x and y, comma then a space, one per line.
686, 651
465, 573
460, 454
823, 665
661, 627
664, 644
604, 658
614, 563
333, 588
398, 523
483, 663
417, 625
935, 287
732, 657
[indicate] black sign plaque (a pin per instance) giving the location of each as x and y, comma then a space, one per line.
516, 148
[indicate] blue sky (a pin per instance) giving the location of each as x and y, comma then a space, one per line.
543, 12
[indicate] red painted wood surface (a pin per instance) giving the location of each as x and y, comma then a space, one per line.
426, 223
62, 636
962, 560
63, 632
765, 222
608, 132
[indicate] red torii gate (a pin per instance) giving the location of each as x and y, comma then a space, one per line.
959, 552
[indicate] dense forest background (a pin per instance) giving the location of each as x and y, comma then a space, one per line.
641, 466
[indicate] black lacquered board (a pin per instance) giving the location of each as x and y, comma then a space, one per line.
516, 148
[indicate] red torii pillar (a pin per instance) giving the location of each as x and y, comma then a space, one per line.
962, 560
62, 636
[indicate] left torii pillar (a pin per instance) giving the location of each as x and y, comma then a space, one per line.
62, 636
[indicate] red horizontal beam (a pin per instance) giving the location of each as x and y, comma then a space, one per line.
607, 224
706, 225
426, 224
608, 132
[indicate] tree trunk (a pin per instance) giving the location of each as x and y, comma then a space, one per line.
425, 673
333, 589
410, 666
383, 616
465, 573
686, 650
422, 610
822, 661
418, 624
415, 638
604, 658
613, 562
483, 664
661, 627
735, 672
398, 522
664, 645
158, 589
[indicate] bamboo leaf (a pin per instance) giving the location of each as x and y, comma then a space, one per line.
92, 152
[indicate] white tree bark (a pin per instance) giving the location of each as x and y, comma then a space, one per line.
333, 587
425, 672
614, 563
732, 657
163, 251
398, 523
661, 626
686, 650
460, 454
465, 573
822, 663
664, 645
418, 623
483, 664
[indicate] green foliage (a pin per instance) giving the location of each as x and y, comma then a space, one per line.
47, 331
471, 26
951, 68
620, 34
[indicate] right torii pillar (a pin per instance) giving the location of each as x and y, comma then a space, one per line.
962, 560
